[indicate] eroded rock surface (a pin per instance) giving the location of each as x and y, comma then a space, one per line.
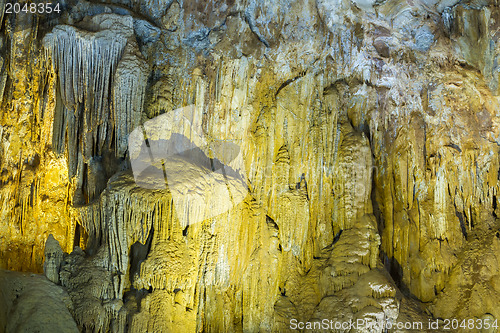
53, 259
363, 184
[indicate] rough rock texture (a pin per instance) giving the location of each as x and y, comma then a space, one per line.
31, 303
90, 285
227, 166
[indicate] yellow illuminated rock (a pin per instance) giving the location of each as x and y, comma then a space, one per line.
246, 166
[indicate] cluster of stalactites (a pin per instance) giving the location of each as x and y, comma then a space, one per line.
85, 64
128, 94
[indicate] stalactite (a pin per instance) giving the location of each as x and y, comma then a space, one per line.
85, 63
3, 75
128, 94
121, 217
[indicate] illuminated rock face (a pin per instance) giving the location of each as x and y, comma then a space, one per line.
230, 166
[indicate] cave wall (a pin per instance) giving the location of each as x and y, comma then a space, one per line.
368, 134
35, 183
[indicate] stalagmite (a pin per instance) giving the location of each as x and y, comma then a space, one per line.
85, 63
53, 259
230, 166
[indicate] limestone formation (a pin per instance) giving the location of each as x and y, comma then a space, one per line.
102, 77
31, 303
241, 166
53, 259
